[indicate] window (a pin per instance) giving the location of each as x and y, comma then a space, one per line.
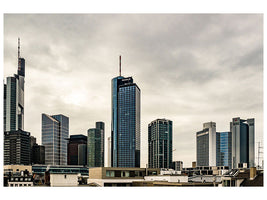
11, 185
65, 176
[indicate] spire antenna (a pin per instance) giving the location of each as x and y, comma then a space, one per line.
120, 65
18, 48
19, 67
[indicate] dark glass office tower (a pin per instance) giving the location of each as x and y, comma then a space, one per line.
94, 147
224, 149
101, 127
160, 144
14, 98
73, 149
243, 144
125, 125
38, 154
17, 148
55, 132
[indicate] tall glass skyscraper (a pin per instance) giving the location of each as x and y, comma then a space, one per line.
14, 98
55, 134
125, 124
101, 127
160, 144
94, 148
224, 149
243, 144
206, 145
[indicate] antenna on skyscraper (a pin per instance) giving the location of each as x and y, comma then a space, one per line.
18, 48
18, 52
120, 65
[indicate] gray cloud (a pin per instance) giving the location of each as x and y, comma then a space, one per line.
190, 68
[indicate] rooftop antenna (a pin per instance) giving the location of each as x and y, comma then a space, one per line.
18, 51
120, 65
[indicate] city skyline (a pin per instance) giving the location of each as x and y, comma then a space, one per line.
191, 69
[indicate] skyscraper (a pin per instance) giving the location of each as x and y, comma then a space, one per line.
125, 124
94, 148
101, 126
73, 149
243, 144
17, 148
55, 132
160, 144
14, 98
206, 145
224, 149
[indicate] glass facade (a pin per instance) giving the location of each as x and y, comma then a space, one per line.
73, 149
224, 149
203, 148
94, 147
243, 142
55, 132
125, 123
14, 101
101, 126
114, 120
160, 144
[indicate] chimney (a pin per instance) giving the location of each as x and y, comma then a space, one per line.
252, 173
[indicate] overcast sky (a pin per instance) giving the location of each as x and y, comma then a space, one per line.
191, 69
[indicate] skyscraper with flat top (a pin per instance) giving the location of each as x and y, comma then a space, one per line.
125, 124
94, 147
14, 98
101, 127
243, 144
55, 134
160, 144
224, 149
206, 145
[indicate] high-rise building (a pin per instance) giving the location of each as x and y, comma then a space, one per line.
101, 126
224, 149
14, 98
243, 142
38, 154
82, 154
206, 145
160, 144
17, 148
94, 148
55, 132
73, 149
125, 122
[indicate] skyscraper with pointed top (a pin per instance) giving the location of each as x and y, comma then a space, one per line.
14, 97
125, 124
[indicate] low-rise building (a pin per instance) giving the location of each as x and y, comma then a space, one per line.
18, 175
63, 180
20, 181
168, 178
242, 178
118, 176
